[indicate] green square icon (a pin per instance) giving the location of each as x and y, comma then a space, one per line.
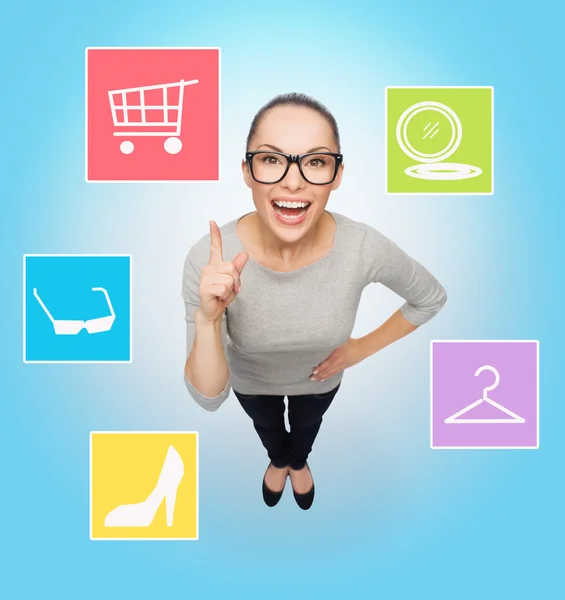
439, 140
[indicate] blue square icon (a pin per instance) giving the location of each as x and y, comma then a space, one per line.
77, 308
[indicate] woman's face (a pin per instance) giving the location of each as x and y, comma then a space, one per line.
293, 130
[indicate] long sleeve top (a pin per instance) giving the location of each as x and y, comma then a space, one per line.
283, 324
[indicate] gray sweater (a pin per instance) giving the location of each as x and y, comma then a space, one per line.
283, 324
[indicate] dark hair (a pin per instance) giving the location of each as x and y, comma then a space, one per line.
294, 99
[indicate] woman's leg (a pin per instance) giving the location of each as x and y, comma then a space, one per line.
267, 414
305, 418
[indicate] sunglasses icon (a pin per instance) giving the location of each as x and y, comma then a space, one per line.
70, 327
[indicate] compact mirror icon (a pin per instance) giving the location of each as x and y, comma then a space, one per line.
73, 327
428, 119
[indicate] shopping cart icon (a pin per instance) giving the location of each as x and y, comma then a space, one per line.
134, 116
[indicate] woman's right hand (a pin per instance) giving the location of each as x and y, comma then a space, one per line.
220, 280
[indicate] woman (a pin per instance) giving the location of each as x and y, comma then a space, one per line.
304, 269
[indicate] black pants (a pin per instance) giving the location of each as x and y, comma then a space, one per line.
304, 417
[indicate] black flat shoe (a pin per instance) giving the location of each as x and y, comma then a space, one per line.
270, 497
305, 500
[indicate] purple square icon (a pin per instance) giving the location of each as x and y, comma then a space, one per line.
484, 394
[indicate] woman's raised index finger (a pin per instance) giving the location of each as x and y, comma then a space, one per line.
215, 243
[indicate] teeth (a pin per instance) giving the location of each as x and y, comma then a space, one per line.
291, 204
288, 217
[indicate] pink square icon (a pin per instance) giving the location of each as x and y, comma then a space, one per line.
152, 114
484, 394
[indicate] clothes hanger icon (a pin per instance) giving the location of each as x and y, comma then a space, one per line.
515, 418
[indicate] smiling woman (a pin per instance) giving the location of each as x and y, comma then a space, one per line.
271, 297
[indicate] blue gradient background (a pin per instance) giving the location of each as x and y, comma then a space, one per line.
392, 518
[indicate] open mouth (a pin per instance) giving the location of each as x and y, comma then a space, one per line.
290, 212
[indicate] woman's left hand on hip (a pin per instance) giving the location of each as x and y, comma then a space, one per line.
340, 359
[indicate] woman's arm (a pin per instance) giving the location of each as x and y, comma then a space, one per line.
384, 262
206, 367
206, 372
394, 328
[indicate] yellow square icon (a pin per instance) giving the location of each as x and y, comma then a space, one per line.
144, 485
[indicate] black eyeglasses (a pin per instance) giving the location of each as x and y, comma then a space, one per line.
317, 168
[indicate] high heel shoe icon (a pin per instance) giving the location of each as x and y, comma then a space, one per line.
143, 513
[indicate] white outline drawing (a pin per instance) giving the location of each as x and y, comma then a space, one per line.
24, 311
73, 327
173, 144
143, 513
219, 95
424, 166
536, 417
434, 169
453, 419
195, 490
